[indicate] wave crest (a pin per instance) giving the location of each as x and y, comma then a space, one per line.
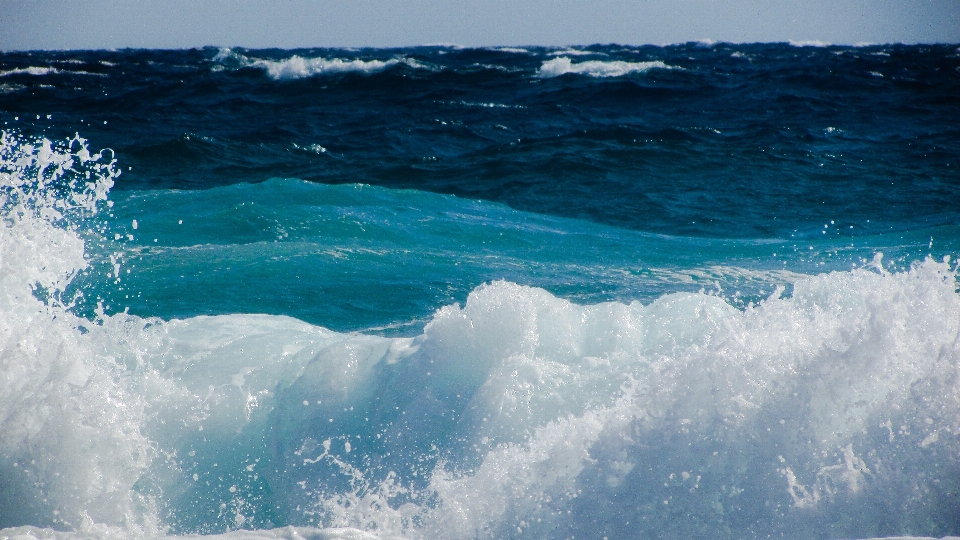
518, 413
298, 67
597, 68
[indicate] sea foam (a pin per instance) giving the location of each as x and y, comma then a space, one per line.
44, 70
32, 70
515, 414
298, 67
596, 68
71, 448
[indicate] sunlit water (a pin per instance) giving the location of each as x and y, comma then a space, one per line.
682, 292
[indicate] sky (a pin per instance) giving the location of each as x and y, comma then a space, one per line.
112, 24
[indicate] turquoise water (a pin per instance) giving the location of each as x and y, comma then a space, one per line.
365, 258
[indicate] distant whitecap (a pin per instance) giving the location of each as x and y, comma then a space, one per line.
596, 68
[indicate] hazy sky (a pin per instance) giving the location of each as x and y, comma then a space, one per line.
61, 24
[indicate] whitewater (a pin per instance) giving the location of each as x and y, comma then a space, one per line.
516, 413
292, 358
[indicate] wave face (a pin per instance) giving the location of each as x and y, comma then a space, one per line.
448, 293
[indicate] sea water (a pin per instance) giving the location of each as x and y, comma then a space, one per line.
702, 290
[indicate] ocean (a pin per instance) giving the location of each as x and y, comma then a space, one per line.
703, 290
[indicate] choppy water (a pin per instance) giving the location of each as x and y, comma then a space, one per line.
703, 290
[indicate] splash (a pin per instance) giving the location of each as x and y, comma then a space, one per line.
45, 189
517, 414
783, 412
70, 447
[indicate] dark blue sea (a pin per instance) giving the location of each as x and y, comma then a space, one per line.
694, 291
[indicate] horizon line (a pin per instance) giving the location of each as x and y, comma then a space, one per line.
703, 42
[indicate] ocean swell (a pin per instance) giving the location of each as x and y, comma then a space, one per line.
515, 414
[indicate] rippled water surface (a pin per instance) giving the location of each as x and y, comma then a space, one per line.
633, 292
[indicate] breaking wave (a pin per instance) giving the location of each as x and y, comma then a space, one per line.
597, 68
298, 67
515, 414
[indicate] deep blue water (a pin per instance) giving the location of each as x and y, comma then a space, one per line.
544, 292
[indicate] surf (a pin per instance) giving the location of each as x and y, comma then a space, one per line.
514, 413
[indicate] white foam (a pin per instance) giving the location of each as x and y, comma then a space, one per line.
574, 52
32, 70
810, 43
597, 68
682, 364
39, 71
113, 533
283, 533
551, 364
298, 67
490, 105
10, 88
543, 410
70, 448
